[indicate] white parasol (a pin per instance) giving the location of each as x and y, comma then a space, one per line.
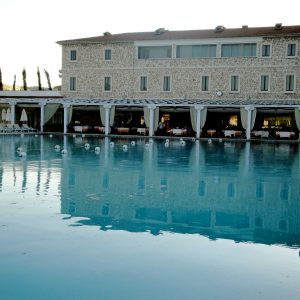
8, 115
3, 114
24, 117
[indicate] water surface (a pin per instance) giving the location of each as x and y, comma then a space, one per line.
200, 221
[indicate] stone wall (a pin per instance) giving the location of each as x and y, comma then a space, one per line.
125, 70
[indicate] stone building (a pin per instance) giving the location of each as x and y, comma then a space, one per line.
252, 68
233, 64
218, 82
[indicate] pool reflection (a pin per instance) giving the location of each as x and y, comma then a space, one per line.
242, 192
191, 191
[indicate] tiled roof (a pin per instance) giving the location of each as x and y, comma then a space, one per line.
189, 34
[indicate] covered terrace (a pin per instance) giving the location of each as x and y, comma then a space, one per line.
203, 118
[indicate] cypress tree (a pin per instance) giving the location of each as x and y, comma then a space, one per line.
24, 80
14, 85
1, 83
39, 78
48, 80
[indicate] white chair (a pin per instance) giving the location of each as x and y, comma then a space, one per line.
25, 127
9, 128
2, 127
17, 128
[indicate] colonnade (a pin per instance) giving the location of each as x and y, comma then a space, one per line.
248, 114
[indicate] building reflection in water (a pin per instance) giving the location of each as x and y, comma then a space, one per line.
230, 190
233, 191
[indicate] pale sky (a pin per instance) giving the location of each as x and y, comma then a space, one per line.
30, 28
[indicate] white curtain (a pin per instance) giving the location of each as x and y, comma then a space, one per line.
244, 117
297, 117
253, 117
156, 118
102, 115
193, 116
147, 116
50, 110
203, 114
111, 115
70, 113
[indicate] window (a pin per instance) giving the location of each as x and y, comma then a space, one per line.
148, 52
234, 83
167, 84
107, 84
196, 51
72, 83
238, 50
205, 83
264, 83
290, 83
143, 83
266, 50
291, 50
73, 55
107, 54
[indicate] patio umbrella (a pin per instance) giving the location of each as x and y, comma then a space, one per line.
8, 115
3, 114
24, 117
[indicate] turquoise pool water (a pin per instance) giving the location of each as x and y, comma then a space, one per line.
199, 221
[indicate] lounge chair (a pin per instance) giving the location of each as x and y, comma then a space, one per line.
25, 127
17, 128
2, 127
9, 128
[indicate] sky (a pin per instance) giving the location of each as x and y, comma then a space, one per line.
31, 28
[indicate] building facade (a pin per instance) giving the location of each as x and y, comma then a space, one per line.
245, 63
202, 81
248, 69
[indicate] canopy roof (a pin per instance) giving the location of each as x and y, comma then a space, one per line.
158, 102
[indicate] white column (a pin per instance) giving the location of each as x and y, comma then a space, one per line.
13, 112
66, 106
107, 108
198, 123
42, 119
249, 109
151, 120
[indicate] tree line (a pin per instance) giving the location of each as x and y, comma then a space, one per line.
24, 75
